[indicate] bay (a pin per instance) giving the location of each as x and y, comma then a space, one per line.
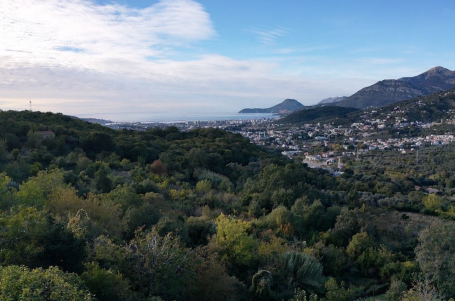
174, 117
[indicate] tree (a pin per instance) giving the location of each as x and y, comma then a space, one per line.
203, 186
105, 284
102, 182
6, 194
337, 292
261, 285
436, 255
158, 168
31, 237
301, 295
22, 230
397, 287
20, 283
33, 139
212, 283
293, 270
97, 216
97, 142
432, 202
155, 265
360, 242
233, 242
422, 290
37, 190
3, 151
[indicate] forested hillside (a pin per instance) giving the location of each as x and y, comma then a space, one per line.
327, 114
88, 213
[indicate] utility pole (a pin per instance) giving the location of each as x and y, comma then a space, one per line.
30, 105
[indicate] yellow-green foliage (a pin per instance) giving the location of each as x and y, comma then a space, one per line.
359, 243
203, 186
233, 241
37, 190
20, 283
432, 202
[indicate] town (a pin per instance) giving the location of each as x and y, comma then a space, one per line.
324, 145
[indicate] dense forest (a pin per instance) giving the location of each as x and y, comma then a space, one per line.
327, 114
89, 213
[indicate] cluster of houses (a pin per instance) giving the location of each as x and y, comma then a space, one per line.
326, 143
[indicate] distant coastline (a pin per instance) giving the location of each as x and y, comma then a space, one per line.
174, 118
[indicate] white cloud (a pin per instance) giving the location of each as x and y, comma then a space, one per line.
268, 36
75, 57
209, 84
380, 61
79, 33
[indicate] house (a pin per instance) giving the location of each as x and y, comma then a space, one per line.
47, 134
315, 158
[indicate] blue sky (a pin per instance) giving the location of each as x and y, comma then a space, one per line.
122, 57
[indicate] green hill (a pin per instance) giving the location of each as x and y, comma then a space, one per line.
427, 108
287, 106
206, 215
322, 114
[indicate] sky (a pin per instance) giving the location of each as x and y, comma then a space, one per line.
184, 56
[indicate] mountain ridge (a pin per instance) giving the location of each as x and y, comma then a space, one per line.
389, 91
332, 100
317, 113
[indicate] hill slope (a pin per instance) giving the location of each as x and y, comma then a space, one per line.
389, 91
312, 115
427, 108
287, 106
332, 100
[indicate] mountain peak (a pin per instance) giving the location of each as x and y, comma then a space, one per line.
290, 101
286, 106
438, 70
388, 91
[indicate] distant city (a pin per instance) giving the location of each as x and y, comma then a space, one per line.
317, 144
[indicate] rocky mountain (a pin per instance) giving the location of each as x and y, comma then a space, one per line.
332, 100
287, 106
393, 90
435, 77
428, 108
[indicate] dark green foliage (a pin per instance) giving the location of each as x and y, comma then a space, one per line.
30, 237
200, 229
296, 270
102, 182
96, 143
317, 114
395, 292
206, 215
106, 285
61, 248
435, 254
339, 292
261, 285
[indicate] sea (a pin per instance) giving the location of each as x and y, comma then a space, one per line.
175, 118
